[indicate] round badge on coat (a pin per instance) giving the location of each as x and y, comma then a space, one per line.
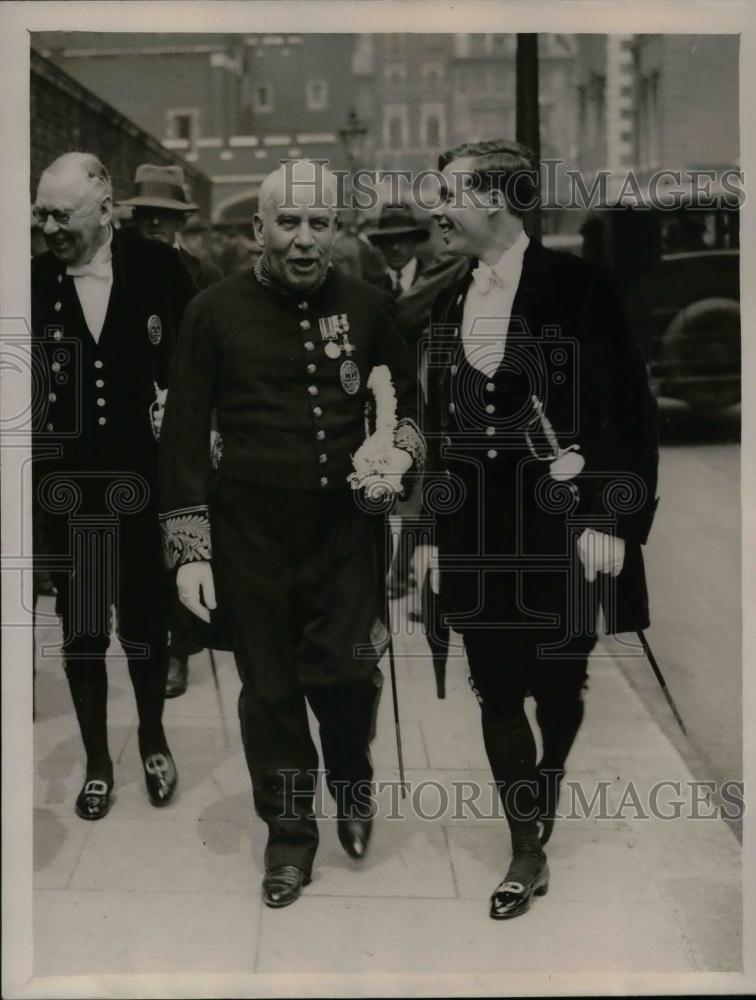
154, 329
332, 349
350, 377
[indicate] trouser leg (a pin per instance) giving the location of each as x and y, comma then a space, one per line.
283, 764
336, 598
345, 714
254, 583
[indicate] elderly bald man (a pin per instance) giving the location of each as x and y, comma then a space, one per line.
284, 352
105, 313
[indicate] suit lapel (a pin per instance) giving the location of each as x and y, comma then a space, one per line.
530, 290
450, 318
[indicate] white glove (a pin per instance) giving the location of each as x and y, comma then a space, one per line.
435, 572
600, 553
192, 579
380, 470
157, 409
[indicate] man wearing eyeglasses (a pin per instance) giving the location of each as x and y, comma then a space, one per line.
105, 313
545, 434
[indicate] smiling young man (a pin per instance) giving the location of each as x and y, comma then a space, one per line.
105, 314
543, 420
284, 352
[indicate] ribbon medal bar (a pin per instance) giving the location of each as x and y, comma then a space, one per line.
331, 329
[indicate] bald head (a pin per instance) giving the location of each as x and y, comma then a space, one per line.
300, 183
74, 206
296, 223
84, 169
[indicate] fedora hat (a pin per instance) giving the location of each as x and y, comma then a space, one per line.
397, 220
159, 187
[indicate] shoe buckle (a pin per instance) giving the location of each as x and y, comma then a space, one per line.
517, 887
95, 787
157, 764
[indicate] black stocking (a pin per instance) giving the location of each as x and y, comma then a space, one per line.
148, 680
559, 721
88, 683
511, 751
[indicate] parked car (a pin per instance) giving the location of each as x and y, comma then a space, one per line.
678, 271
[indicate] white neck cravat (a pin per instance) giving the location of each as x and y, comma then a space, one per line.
488, 308
93, 282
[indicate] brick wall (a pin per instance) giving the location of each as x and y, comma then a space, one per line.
65, 117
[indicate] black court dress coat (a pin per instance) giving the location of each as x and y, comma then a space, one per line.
95, 452
506, 529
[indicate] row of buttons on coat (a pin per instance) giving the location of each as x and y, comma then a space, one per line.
317, 411
99, 384
490, 409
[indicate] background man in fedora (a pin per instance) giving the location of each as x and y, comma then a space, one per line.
160, 210
106, 307
398, 237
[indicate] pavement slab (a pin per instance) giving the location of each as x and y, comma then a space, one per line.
177, 889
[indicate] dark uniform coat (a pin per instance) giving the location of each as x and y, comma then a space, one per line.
95, 452
150, 290
290, 417
569, 345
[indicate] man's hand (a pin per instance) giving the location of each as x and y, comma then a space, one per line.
600, 553
383, 476
193, 579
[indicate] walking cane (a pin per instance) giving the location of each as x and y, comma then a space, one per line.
660, 678
395, 698
221, 710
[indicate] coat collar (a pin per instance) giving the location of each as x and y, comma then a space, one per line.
535, 273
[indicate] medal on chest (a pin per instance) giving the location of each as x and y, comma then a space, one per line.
154, 330
334, 332
349, 374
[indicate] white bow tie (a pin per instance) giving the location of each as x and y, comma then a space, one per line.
101, 270
485, 277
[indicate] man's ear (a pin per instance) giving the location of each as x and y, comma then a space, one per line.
257, 227
106, 210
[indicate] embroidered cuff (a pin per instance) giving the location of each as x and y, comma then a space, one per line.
409, 439
186, 536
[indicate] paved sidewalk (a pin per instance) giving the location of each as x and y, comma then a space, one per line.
177, 890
